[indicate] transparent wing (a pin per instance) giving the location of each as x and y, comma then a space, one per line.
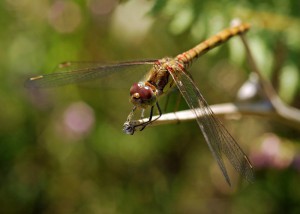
79, 72
216, 135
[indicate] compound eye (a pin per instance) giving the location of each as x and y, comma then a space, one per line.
139, 91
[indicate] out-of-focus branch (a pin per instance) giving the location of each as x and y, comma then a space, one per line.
281, 109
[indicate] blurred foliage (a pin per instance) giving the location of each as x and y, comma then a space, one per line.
62, 150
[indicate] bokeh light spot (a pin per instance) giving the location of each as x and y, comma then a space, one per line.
64, 16
272, 152
78, 118
102, 7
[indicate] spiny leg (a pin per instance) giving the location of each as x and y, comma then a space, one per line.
129, 128
150, 117
129, 118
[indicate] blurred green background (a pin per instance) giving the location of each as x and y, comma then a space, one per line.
63, 150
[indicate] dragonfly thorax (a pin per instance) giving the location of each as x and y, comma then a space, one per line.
159, 76
142, 95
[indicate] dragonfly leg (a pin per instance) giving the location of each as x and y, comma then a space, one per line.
159, 111
131, 113
143, 113
150, 117
149, 121
128, 127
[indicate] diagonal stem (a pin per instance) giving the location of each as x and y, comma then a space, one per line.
283, 110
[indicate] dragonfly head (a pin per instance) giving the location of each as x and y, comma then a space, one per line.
142, 95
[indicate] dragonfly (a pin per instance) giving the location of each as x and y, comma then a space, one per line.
164, 74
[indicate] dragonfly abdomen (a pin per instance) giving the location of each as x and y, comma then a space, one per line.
188, 56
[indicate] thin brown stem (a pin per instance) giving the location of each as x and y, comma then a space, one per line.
283, 110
